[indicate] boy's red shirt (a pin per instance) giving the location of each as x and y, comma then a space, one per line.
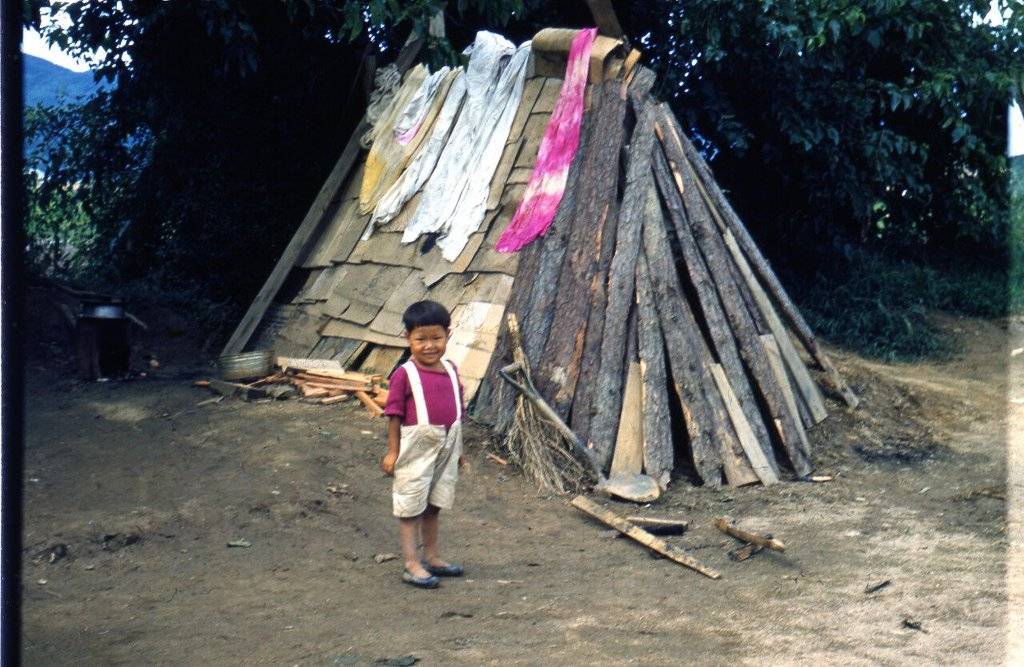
437, 391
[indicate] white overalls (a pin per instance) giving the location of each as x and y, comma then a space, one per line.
428, 458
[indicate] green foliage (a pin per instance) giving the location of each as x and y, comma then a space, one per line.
881, 122
881, 307
79, 174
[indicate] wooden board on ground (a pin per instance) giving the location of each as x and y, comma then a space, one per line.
645, 538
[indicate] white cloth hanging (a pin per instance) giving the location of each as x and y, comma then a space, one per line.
423, 161
455, 196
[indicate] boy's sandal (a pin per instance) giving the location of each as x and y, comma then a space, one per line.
450, 570
420, 582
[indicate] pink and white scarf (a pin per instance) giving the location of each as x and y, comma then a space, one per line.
557, 149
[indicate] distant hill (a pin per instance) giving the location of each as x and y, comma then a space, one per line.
46, 83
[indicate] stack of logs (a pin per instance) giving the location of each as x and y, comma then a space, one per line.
652, 317
322, 381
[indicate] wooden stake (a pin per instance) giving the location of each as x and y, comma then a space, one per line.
753, 538
650, 541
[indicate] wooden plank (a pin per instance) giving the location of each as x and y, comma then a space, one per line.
382, 359
348, 330
628, 458
384, 248
531, 89
745, 535
605, 18
501, 173
779, 369
300, 363
311, 222
762, 466
371, 407
650, 541
547, 98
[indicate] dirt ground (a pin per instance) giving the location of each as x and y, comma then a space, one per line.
133, 492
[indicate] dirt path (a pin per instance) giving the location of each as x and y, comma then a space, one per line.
133, 491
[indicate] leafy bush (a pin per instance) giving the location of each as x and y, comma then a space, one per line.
881, 307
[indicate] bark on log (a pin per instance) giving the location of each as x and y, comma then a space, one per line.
590, 365
689, 372
621, 277
710, 242
760, 263
722, 336
658, 453
595, 214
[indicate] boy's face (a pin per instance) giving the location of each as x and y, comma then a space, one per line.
427, 344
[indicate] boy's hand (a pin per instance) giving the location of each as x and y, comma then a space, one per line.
463, 463
387, 464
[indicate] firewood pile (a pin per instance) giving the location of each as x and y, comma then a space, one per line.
321, 381
654, 325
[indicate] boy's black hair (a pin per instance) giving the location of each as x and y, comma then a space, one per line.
425, 314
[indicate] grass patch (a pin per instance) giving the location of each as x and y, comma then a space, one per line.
879, 306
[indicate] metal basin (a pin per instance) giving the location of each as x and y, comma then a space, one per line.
245, 365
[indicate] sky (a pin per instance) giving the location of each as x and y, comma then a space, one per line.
34, 45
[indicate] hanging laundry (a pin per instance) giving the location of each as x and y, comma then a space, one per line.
387, 156
455, 197
557, 149
422, 102
423, 161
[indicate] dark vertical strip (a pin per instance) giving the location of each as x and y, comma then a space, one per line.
11, 319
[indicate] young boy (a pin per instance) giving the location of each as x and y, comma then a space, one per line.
424, 411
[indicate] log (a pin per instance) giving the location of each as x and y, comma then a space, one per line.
331, 400
650, 541
764, 270
657, 428
590, 364
689, 372
765, 541
722, 336
594, 214
312, 221
709, 240
763, 464
779, 370
536, 317
621, 279
809, 392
